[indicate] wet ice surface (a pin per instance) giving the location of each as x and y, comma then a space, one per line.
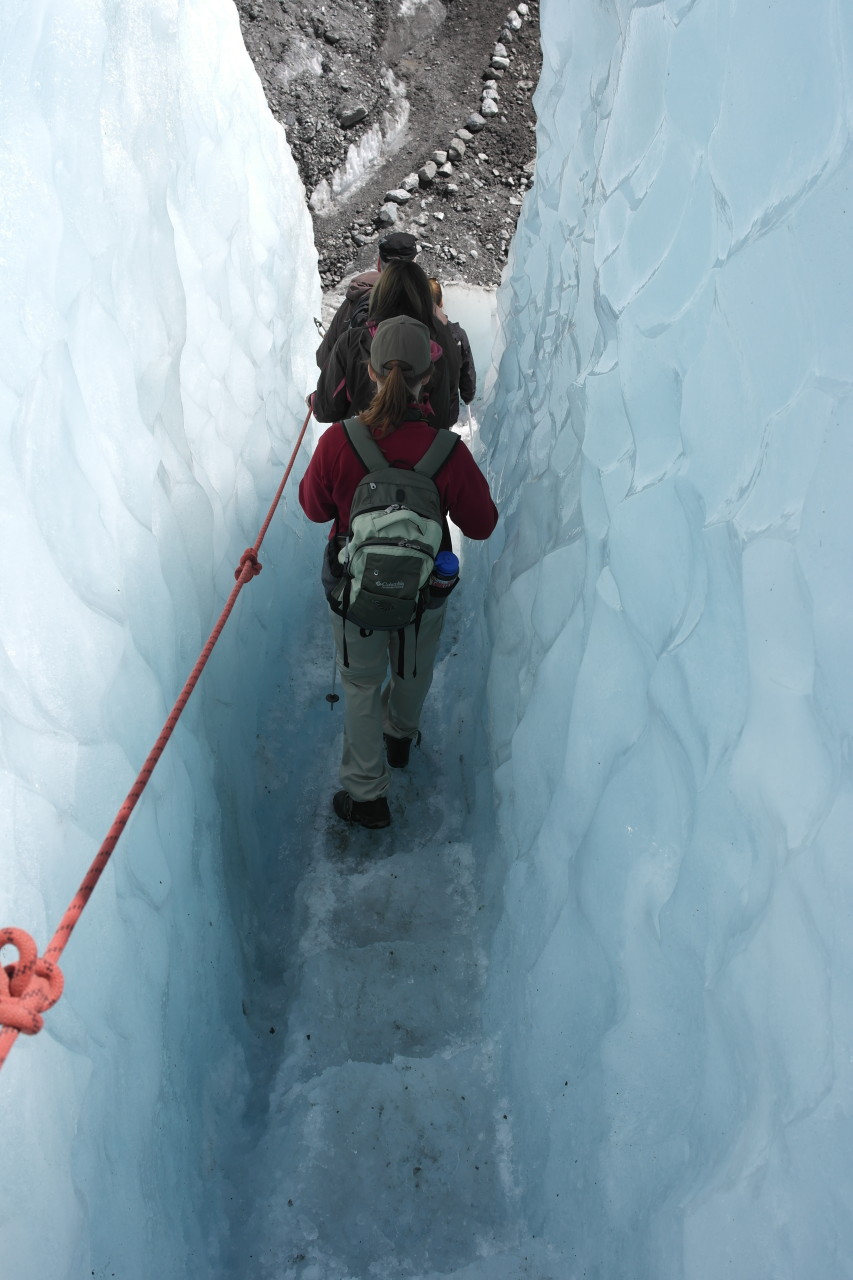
377, 1142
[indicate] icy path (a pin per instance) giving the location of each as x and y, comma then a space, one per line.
383, 1152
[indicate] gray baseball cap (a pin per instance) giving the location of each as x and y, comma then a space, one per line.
404, 339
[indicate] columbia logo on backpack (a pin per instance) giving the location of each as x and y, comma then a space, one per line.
395, 533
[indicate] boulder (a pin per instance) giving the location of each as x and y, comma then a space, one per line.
456, 150
499, 62
475, 123
445, 169
426, 175
350, 113
388, 214
398, 196
489, 107
410, 182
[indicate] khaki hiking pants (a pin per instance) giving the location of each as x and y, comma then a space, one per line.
370, 710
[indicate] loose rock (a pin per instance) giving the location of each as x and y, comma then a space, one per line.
350, 113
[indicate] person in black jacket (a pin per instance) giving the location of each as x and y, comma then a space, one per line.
467, 372
344, 387
399, 246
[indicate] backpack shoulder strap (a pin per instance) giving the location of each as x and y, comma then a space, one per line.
437, 454
364, 446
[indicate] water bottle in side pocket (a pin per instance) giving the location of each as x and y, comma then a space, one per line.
443, 578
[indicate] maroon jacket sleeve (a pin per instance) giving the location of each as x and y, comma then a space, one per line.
315, 488
466, 493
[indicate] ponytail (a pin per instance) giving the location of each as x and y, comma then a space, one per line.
388, 406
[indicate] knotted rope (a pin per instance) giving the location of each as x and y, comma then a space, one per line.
28, 988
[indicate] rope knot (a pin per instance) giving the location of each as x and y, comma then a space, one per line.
30, 987
249, 557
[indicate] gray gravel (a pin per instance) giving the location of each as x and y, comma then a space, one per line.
337, 74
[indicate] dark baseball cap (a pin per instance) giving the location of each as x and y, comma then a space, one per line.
404, 339
399, 246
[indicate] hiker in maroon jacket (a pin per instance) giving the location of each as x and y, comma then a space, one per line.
400, 360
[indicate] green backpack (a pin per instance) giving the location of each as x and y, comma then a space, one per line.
394, 536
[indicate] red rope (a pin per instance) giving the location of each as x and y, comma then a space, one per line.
34, 984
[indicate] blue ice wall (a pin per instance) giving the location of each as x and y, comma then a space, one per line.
672, 616
157, 279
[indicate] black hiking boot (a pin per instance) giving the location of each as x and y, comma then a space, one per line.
397, 750
367, 813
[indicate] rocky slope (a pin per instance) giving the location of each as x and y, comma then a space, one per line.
410, 115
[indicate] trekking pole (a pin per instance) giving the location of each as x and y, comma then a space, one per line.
332, 697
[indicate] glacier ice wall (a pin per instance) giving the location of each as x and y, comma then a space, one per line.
672, 977
157, 280
669, 703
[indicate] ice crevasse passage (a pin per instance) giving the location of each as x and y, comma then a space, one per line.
662, 892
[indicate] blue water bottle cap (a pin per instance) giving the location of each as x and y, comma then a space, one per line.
447, 564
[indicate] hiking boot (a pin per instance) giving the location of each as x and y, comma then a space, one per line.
367, 813
397, 750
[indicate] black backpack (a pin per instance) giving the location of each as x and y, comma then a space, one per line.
360, 311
